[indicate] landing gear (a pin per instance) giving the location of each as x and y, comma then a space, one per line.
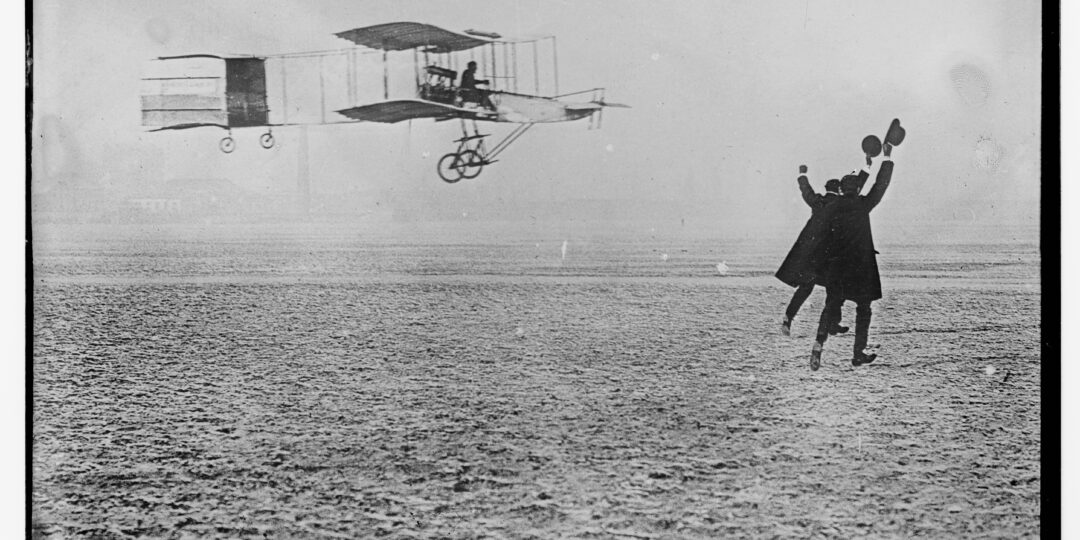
227, 144
471, 156
465, 164
448, 169
471, 164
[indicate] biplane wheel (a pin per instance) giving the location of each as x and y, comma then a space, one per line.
227, 145
267, 140
450, 168
470, 164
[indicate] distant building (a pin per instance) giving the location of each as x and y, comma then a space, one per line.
179, 199
206, 195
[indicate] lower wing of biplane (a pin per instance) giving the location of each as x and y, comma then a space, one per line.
202, 90
500, 107
472, 154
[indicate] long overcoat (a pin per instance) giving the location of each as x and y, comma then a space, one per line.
850, 260
803, 261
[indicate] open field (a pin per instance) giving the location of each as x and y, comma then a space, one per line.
197, 381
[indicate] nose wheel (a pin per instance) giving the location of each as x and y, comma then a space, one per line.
450, 168
455, 166
267, 140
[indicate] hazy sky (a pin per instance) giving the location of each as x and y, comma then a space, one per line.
728, 99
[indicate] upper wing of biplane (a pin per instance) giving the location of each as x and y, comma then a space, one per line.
390, 112
399, 36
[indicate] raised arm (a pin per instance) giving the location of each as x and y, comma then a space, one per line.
864, 175
881, 183
808, 194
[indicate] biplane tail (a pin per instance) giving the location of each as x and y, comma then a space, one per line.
594, 110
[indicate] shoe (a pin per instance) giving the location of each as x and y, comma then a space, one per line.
815, 357
837, 330
862, 359
785, 327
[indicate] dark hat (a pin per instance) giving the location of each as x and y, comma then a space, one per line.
896, 133
871, 145
832, 186
849, 184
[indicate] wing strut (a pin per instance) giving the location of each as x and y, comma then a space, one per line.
510, 138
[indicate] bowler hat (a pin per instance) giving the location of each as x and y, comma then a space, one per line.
896, 134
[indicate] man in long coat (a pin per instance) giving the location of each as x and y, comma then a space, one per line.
849, 268
801, 266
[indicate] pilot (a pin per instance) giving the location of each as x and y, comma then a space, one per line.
469, 91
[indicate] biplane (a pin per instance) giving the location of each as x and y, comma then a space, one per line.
516, 81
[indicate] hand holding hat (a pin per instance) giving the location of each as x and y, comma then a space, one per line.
896, 133
872, 146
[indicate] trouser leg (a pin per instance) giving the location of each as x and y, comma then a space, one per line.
862, 326
834, 300
797, 299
